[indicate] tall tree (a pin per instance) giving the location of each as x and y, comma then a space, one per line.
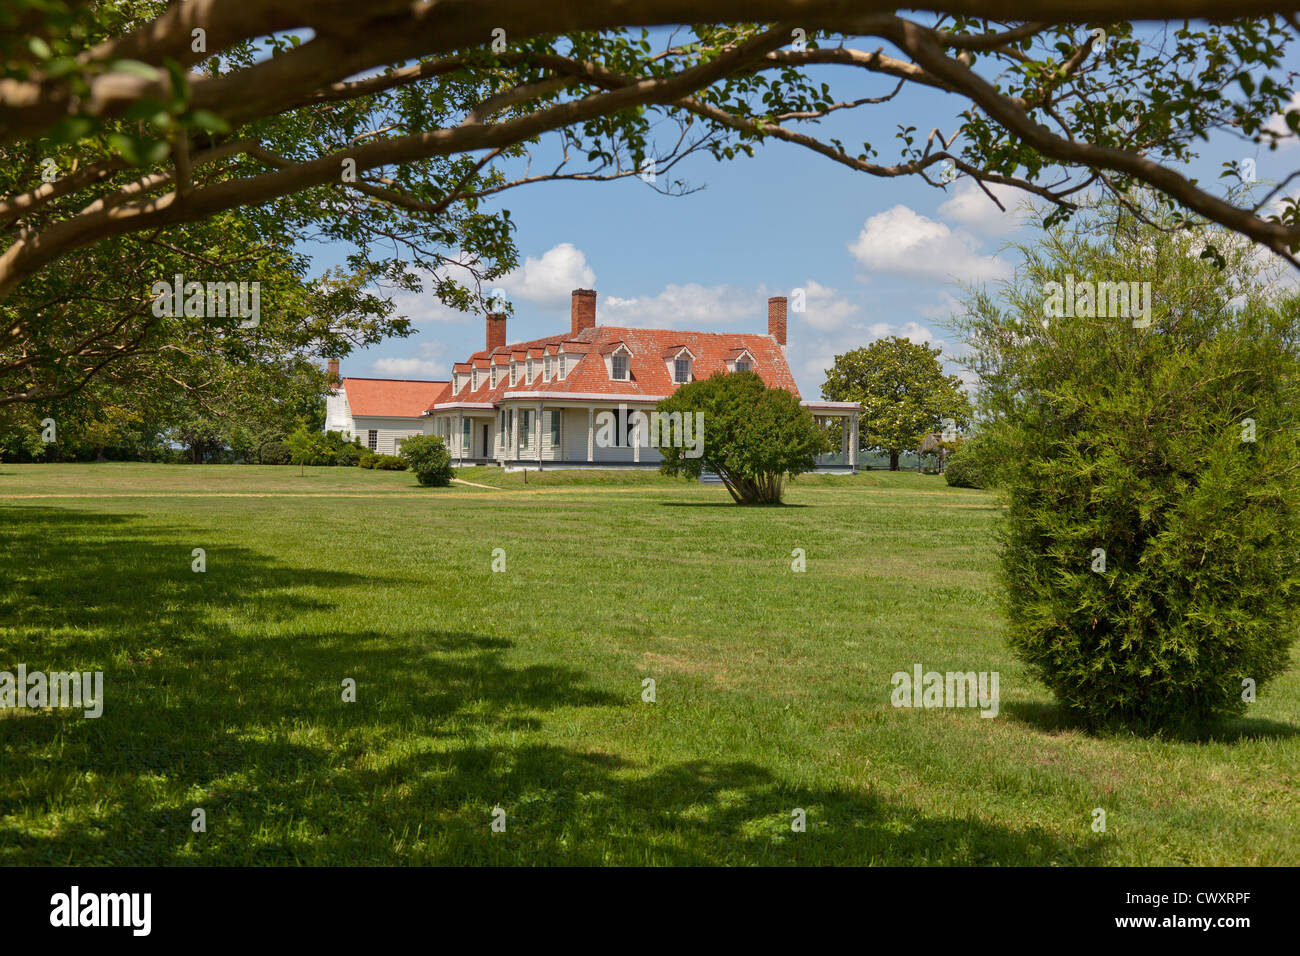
903, 390
387, 124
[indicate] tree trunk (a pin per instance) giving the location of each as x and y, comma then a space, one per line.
893, 461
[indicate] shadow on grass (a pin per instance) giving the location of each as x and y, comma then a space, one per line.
446, 727
1052, 718
727, 504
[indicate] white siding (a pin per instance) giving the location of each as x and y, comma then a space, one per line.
574, 434
338, 414
574, 438
550, 451
389, 430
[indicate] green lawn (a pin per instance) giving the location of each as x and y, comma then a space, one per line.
522, 690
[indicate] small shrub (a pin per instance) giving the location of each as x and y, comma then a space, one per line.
389, 463
349, 455
429, 459
972, 465
274, 453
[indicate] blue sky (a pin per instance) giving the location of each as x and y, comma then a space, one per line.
876, 257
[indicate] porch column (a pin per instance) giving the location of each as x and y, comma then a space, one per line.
591, 434
636, 439
538, 434
853, 441
514, 430
459, 438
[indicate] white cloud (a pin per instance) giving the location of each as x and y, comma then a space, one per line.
1277, 124
824, 308
972, 208
708, 307
902, 242
684, 305
947, 306
811, 367
550, 280
908, 330
428, 363
423, 308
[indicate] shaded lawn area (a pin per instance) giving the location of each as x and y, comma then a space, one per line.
522, 690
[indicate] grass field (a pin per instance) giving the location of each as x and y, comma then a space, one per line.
523, 689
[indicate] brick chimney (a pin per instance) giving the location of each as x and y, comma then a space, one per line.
776, 319
584, 310
496, 330
334, 373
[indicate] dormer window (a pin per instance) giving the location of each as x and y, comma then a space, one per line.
514, 374
474, 378
619, 367
528, 371
455, 382
681, 370
548, 367
740, 360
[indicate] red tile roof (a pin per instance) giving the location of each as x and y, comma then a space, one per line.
390, 397
650, 375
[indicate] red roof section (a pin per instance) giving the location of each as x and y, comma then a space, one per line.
650, 375
392, 397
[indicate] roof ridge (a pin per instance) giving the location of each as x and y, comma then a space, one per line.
413, 381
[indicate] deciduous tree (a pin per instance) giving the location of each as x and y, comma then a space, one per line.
388, 125
754, 437
903, 390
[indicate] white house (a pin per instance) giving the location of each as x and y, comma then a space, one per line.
542, 403
379, 411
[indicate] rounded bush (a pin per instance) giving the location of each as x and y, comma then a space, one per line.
971, 465
1151, 539
274, 453
428, 458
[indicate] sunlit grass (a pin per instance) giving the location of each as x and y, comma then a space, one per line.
523, 690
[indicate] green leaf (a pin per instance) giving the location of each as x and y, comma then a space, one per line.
205, 119
135, 68
70, 129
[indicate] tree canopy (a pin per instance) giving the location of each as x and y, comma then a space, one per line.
903, 390
751, 436
132, 132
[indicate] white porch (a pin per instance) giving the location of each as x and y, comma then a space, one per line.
537, 434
